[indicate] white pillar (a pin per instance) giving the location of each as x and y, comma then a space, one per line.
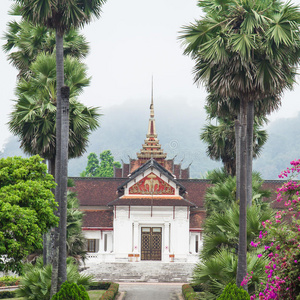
167, 238
135, 236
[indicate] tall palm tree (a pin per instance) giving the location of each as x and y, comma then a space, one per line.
247, 50
221, 141
60, 16
224, 108
24, 41
33, 118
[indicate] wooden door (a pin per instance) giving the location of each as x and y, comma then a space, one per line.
151, 243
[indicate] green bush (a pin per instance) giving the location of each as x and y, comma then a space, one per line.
7, 294
36, 282
71, 291
188, 292
102, 285
111, 293
9, 280
233, 292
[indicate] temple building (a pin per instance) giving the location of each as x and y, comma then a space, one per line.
150, 211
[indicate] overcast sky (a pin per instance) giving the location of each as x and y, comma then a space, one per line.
131, 41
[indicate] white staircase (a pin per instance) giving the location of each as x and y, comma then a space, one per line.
150, 271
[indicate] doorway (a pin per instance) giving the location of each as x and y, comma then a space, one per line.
151, 243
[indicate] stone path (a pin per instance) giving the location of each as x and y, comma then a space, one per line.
151, 291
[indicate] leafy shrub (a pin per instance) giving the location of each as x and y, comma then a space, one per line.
102, 285
71, 291
9, 280
7, 294
233, 292
36, 282
111, 293
188, 292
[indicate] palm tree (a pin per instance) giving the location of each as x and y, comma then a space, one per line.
214, 273
222, 195
227, 108
76, 243
222, 228
60, 16
221, 145
24, 41
33, 118
247, 50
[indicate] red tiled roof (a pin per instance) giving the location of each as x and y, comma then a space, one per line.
195, 190
96, 191
102, 191
197, 219
98, 218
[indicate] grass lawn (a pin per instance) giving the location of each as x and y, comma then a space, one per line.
94, 295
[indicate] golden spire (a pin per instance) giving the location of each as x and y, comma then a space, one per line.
151, 148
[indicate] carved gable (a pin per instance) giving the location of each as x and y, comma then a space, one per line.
151, 185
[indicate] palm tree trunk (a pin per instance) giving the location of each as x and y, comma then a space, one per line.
59, 85
48, 239
250, 124
62, 262
242, 251
237, 126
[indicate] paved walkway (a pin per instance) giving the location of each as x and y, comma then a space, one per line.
151, 291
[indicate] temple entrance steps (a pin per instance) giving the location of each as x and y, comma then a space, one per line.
149, 271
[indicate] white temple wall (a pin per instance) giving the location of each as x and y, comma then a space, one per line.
174, 223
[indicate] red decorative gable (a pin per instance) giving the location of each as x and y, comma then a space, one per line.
151, 185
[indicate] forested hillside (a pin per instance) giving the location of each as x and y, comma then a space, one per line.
178, 124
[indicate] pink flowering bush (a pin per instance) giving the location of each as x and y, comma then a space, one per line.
281, 243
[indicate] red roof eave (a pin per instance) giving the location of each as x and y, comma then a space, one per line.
98, 228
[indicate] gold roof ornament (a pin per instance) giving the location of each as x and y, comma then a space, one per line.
151, 147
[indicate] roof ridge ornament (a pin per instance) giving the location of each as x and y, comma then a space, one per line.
151, 147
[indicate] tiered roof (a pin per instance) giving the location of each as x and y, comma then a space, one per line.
151, 147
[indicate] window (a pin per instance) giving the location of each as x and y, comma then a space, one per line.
197, 243
105, 242
92, 245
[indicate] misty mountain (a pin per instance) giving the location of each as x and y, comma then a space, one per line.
178, 124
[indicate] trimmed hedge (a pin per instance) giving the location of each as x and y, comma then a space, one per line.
7, 294
102, 285
188, 292
111, 293
9, 280
231, 291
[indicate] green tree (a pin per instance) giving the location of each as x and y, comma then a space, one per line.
25, 41
222, 195
26, 209
92, 167
33, 118
220, 140
222, 228
247, 50
214, 273
60, 16
103, 169
76, 242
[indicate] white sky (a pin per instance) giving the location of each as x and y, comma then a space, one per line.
133, 40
